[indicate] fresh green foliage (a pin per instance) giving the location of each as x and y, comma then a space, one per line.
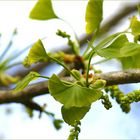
72, 94
121, 47
43, 10
74, 114
36, 54
130, 62
94, 12
135, 26
22, 84
107, 41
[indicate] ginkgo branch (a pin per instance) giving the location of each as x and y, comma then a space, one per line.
41, 88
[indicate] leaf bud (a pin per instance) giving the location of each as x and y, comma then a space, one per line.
99, 84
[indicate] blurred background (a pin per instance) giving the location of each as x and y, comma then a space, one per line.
98, 123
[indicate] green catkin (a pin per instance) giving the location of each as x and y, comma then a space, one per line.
105, 101
124, 100
74, 132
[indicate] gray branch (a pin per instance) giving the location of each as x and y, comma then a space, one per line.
112, 78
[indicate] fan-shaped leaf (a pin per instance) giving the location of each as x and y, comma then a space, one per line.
135, 26
43, 10
93, 15
36, 54
73, 114
121, 47
72, 95
107, 41
130, 62
113, 50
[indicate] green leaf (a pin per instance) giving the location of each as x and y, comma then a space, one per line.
107, 41
36, 54
120, 48
130, 62
135, 25
113, 50
129, 49
43, 10
94, 12
27, 79
73, 114
72, 94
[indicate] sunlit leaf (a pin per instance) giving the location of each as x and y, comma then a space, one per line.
43, 10
129, 49
94, 12
130, 62
135, 25
73, 114
113, 50
36, 54
120, 48
107, 41
72, 94
27, 79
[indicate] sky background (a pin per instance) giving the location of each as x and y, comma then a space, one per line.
98, 123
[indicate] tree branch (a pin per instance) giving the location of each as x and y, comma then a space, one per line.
121, 77
112, 78
6, 96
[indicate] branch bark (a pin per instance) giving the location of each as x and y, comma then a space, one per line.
121, 77
112, 78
